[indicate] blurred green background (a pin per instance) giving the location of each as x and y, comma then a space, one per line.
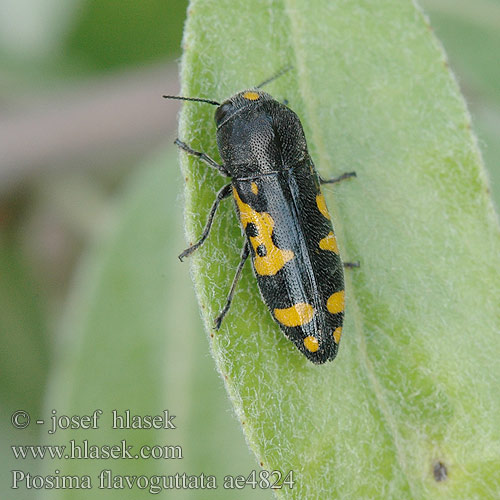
84, 139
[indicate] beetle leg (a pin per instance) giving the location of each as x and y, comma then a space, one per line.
347, 175
244, 256
203, 157
223, 193
352, 264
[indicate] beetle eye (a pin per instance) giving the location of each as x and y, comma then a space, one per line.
222, 111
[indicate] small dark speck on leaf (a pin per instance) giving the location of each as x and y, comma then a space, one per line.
440, 472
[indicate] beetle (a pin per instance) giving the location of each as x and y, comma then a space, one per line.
283, 214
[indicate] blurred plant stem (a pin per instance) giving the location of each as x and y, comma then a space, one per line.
97, 122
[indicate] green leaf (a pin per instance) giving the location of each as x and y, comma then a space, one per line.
409, 409
471, 34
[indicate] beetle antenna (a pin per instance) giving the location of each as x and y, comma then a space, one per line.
197, 99
281, 72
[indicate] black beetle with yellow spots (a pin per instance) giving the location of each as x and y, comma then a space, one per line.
289, 232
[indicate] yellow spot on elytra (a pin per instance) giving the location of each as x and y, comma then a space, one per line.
337, 333
251, 95
335, 303
254, 188
329, 243
297, 315
275, 258
320, 201
311, 343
